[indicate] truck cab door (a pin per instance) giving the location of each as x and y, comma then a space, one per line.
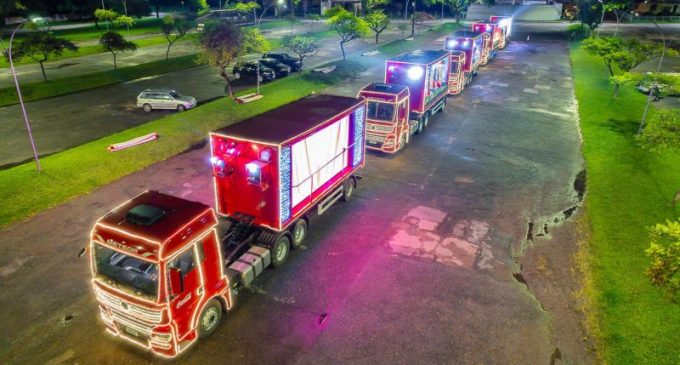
187, 292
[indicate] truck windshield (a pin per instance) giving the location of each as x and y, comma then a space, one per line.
130, 272
380, 111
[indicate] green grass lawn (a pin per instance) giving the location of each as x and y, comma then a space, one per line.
40, 90
629, 190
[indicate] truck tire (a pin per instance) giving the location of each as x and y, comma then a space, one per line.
209, 318
280, 250
347, 189
419, 129
402, 142
299, 232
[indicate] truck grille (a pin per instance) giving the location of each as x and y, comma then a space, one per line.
374, 138
130, 315
379, 128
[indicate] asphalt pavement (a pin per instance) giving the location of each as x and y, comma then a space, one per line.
424, 266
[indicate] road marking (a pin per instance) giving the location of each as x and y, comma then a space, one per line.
501, 84
530, 91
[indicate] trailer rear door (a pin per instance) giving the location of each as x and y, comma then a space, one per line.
319, 158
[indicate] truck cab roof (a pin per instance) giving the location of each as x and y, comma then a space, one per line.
153, 225
420, 56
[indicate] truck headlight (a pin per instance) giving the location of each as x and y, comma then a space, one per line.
415, 72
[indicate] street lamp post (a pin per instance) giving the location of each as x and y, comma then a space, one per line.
654, 85
413, 19
21, 100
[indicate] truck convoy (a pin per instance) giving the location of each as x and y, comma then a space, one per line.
166, 268
415, 87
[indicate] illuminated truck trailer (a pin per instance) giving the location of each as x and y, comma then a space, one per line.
495, 32
505, 23
470, 43
165, 269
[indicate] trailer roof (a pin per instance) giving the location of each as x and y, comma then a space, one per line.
486, 22
290, 120
422, 56
154, 215
466, 34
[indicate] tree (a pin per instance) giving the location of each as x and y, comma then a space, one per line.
302, 46
249, 7
124, 20
115, 43
664, 252
173, 29
419, 17
623, 54
347, 25
378, 21
662, 132
39, 46
105, 15
589, 13
374, 4
224, 42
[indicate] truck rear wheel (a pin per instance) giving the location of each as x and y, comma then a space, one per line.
209, 318
299, 232
280, 250
347, 189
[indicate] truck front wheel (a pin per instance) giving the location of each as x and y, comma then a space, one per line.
280, 250
210, 318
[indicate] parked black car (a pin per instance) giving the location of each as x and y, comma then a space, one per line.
248, 70
279, 68
294, 62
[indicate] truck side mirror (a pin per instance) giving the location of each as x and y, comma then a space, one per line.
176, 281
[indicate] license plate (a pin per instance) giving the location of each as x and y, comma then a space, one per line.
132, 331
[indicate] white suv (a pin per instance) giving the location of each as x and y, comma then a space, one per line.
151, 99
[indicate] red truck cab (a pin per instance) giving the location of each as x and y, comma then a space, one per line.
165, 269
387, 119
457, 80
156, 266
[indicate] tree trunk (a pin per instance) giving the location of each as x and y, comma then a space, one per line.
115, 66
305, 7
342, 48
157, 11
376, 37
167, 52
616, 90
406, 9
442, 11
42, 68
